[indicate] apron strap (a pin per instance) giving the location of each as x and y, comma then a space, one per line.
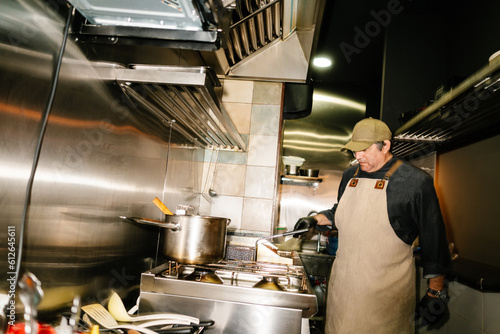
380, 183
392, 169
356, 173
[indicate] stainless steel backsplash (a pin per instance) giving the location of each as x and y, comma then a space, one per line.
99, 160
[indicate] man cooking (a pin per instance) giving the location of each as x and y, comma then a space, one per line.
384, 204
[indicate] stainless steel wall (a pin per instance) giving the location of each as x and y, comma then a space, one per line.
99, 160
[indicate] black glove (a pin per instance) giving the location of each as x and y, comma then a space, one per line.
304, 222
432, 312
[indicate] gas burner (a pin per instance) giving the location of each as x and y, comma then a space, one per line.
270, 283
204, 275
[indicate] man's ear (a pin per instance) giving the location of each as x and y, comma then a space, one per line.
387, 146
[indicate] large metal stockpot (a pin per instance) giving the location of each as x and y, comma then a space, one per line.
197, 240
191, 239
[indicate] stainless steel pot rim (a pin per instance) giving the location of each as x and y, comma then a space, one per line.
171, 218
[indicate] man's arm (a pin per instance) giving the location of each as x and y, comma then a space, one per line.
322, 219
436, 283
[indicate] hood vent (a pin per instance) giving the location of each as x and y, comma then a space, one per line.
467, 113
254, 24
270, 40
183, 98
188, 24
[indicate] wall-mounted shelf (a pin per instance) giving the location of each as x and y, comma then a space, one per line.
301, 180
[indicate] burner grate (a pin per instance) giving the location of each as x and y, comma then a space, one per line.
239, 273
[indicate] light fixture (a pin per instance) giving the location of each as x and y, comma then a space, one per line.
322, 62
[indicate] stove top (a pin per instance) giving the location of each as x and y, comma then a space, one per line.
237, 281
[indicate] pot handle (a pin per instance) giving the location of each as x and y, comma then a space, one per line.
151, 222
228, 222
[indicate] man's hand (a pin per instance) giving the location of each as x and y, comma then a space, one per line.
305, 222
432, 312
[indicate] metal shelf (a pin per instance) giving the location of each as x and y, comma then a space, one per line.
301, 180
467, 113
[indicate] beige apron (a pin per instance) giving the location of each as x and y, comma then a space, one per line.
372, 283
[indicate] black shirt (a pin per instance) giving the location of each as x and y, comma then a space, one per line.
413, 210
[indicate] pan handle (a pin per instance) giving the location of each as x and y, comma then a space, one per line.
287, 233
173, 226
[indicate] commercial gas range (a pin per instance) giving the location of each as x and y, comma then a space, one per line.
240, 296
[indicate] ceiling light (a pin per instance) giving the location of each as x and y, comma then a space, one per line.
322, 62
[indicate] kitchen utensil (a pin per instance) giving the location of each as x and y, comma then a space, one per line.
292, 160
303, 230
309, 172
275, 249
291, 170
75, 313
200, 239
95, 329
292, 164
31, 295
162, 206
191, 239
119, 312
292, 244
106, 320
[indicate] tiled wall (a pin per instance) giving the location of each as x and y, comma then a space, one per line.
246, 181
471, 311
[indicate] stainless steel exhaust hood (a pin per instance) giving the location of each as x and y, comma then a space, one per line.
181, 98
200, 24
270, 40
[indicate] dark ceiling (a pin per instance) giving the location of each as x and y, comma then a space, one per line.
356, 58
418, 47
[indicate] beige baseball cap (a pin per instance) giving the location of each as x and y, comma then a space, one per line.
366, 132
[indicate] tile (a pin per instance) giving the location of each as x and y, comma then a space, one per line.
442, 330
424, 330
260, 182
204, 207
457, 324
229, 180
267, 92
240, 114
231, 157
491, 312
265, 120
237, 91
209, 155
228, 207
262, 150
466, 303
257, 214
